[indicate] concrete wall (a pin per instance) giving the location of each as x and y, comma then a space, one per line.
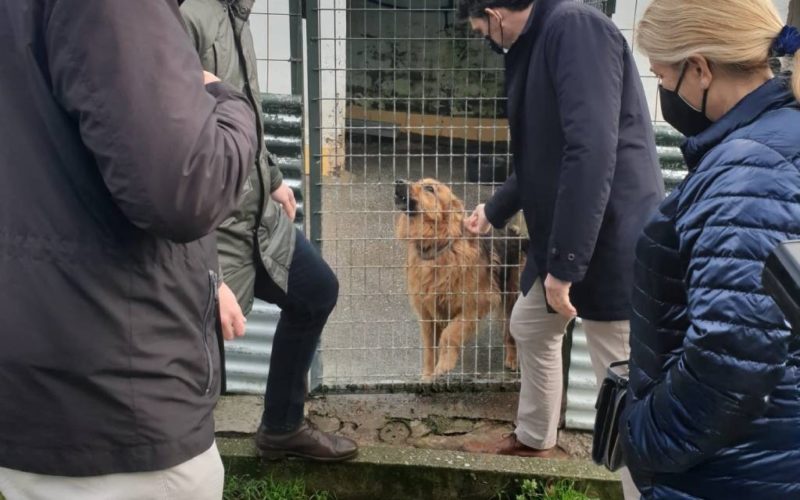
270, 24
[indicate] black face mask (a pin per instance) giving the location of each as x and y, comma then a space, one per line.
680, 114
494, 46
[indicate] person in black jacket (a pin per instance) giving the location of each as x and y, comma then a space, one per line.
586, 176
116, 162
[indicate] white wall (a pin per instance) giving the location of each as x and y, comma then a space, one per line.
270, 26
628, 13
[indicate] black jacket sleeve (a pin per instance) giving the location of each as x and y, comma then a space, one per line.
505, 203
586, 60
174, 154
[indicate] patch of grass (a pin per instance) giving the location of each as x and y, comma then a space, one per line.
532, 489
266, 488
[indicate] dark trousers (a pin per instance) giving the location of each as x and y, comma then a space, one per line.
310, 298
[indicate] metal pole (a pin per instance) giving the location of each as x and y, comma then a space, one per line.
315, 182
296, 44
314, 118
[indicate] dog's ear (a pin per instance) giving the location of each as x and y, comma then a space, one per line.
454, 204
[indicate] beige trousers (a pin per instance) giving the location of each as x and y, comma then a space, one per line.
200, 478
539, 336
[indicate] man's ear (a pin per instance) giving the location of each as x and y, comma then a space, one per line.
489, 12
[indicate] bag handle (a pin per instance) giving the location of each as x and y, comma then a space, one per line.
621, 380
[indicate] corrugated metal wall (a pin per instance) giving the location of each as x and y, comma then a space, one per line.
582, 391
247, 359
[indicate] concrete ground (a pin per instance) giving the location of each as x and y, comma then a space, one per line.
433, 421
412, 446
373, 336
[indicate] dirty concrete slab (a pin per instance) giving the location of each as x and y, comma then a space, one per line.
238, 414
447, 459
439, 421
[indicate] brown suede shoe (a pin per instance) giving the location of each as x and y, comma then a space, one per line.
306, 442
510, 446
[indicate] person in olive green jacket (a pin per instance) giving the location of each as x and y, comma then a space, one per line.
262, 255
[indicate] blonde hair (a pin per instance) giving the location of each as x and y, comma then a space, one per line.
736, 35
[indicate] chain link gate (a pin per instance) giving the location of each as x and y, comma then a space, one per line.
405, 92
399, 89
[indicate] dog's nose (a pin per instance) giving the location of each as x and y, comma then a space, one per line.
401, 186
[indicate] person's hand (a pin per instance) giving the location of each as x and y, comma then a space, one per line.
285, 197
230, 314
209, 78
557, 293
477, 223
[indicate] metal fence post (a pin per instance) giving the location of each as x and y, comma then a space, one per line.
313, 65
315, 150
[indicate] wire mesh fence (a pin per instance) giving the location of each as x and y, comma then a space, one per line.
408, 135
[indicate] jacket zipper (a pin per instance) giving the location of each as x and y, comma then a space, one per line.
213, 295
237, 40
216, 59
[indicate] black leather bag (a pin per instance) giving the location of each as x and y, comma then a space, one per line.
606, 450
781, 279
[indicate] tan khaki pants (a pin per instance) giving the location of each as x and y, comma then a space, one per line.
539, 336
200, 478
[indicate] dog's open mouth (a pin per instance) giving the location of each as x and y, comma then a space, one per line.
402, 198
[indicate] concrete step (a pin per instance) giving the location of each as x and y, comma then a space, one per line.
402, 473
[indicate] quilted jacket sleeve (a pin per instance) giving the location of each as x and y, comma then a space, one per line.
735, 350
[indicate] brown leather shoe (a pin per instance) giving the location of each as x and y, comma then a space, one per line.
306, 442
510, 446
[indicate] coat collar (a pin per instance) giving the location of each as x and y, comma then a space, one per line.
240, 8
774, 94
539, 16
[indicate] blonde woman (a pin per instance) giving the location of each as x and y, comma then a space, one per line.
714, 406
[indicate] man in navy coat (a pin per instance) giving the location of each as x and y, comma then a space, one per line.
586, 176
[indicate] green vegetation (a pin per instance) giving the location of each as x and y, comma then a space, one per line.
249, 488
533, 489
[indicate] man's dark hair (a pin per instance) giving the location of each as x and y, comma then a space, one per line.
475, 8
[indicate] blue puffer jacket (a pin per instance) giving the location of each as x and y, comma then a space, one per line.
714, 406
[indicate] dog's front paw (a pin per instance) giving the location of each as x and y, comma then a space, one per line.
511, 360
446, 364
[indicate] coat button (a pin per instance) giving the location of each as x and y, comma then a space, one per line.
554, 251
571, 257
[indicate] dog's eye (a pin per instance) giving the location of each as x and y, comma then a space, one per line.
430, 189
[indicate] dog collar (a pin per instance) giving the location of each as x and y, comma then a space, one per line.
430, 253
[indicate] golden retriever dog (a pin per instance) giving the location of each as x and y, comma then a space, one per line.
455, 279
